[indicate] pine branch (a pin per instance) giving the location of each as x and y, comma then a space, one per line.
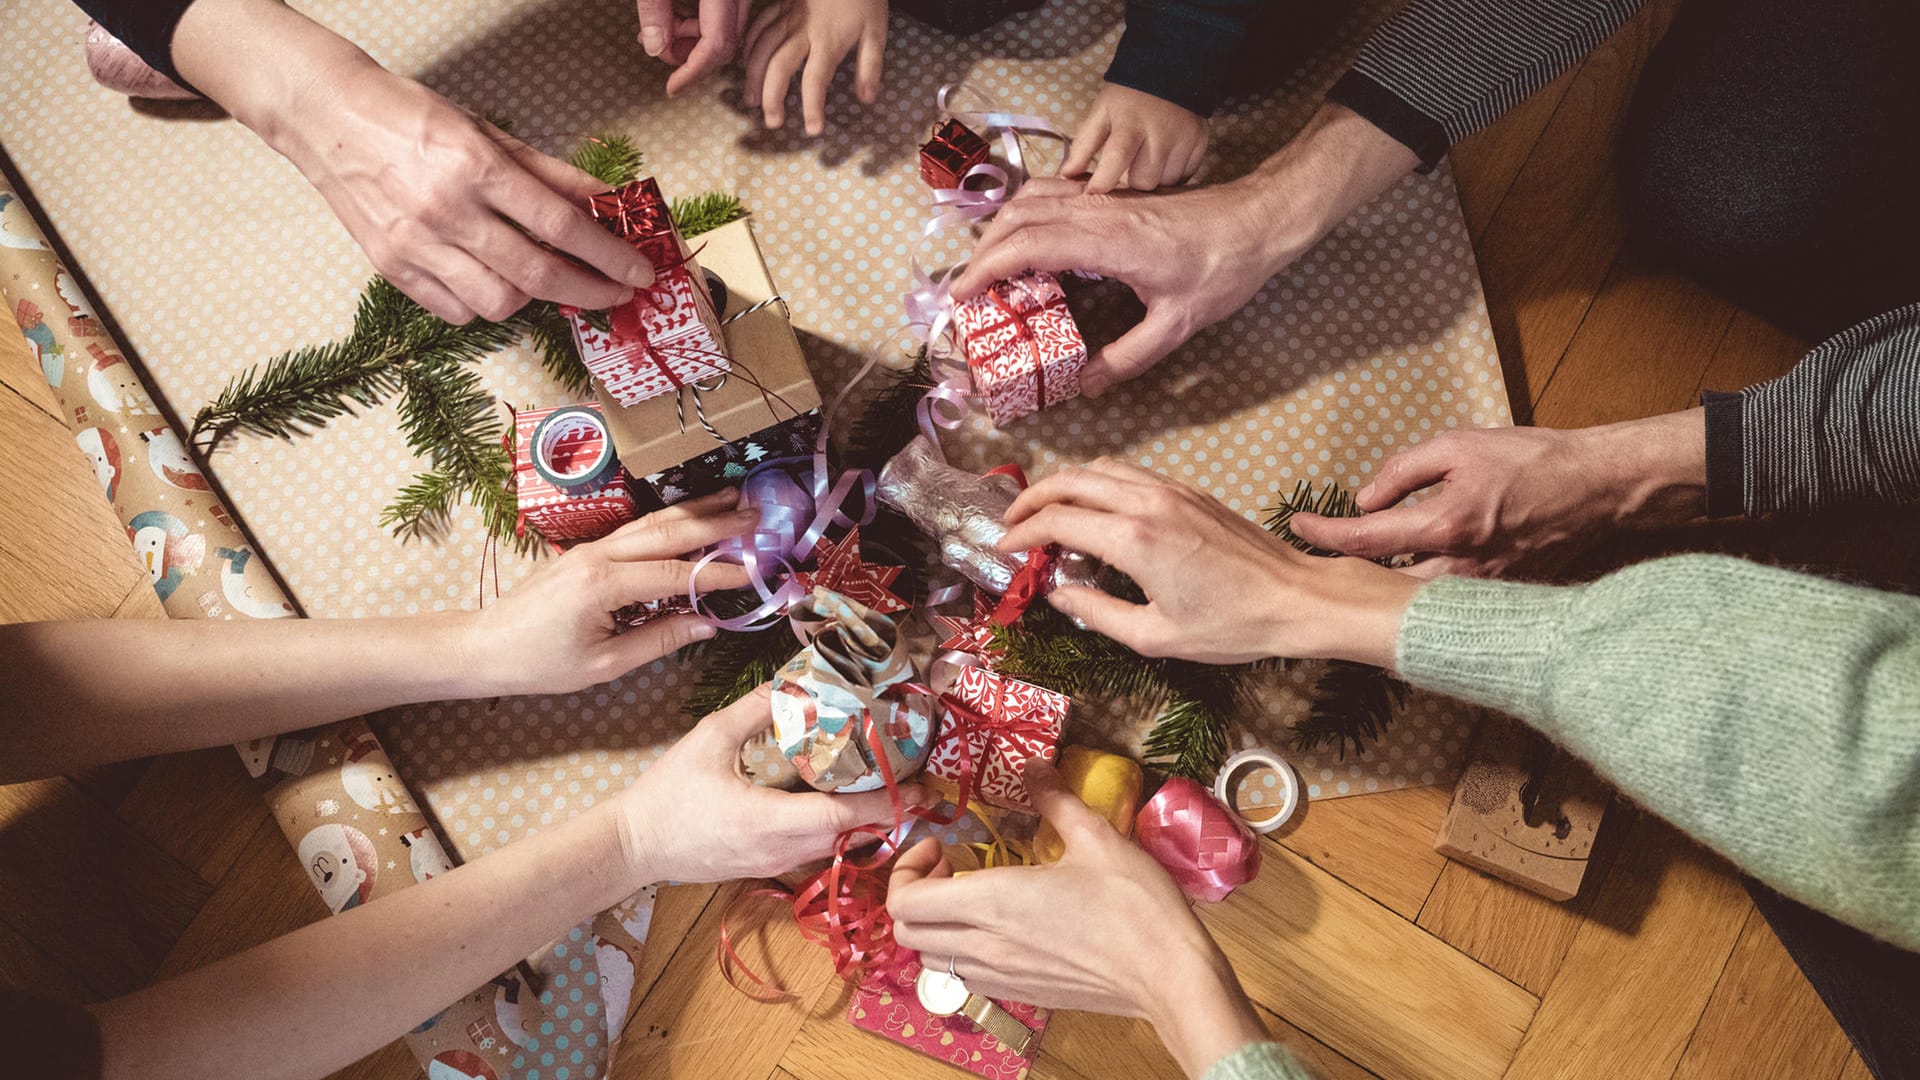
553, 338
298, 392
1353, 705
733, 664
611, 159
1332, 501
424, 508
706, 212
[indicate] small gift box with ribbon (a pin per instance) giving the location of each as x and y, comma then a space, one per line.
848, 710
568, 483
991, 724
953, 149
668, 335
888, 1004
1022, 345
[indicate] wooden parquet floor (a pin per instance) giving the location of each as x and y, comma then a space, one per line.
1368, 952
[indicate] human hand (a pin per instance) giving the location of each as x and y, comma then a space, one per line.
694, 815
1193, 257
819, 34
1513, 493
555, 632
1103, 929
1220, 589
697, 37
1142, 141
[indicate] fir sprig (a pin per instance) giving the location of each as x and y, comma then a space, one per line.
1333, 500
697, 214
611, 159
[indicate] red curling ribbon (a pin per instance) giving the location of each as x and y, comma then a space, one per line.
1028, 585
1200, 842
1032, 340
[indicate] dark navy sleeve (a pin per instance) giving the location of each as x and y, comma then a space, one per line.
1181, 50
145, 26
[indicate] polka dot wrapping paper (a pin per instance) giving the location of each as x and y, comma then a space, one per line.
212, 254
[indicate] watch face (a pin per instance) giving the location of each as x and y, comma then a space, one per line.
940, 993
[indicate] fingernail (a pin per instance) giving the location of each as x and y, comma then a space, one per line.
702, 632
1363, 494
652, 39
640, 275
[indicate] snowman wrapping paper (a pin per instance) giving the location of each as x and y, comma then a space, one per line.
354, 825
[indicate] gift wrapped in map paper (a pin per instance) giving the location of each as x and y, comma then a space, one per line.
1022, 345
668, 335
845, 704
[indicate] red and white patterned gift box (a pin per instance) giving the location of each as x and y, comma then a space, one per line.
561, 516
887, 1005
666, 337
1022, 344
1001, 723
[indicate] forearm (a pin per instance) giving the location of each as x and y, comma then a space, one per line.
270, 66
79, 693
1771, 715
331, 993
1336, 164
1842, 426
1652, 471
1201, 1014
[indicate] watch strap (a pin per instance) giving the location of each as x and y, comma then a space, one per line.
999, 1023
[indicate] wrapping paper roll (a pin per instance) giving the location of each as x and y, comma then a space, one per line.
356, 829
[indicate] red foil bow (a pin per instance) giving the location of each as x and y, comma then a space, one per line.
1201, 844
638, 214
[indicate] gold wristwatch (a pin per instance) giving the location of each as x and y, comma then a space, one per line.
943, 994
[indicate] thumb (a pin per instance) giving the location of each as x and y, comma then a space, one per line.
1059, 807
732, 726
838, 813
1325, 533
661, 637
922, 861
1137, 350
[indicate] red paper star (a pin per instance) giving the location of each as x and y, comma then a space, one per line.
973, 635
838, 567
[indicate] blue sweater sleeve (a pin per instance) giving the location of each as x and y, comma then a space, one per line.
145, 26
1181, 50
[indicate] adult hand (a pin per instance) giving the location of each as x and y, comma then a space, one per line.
1513, 493
694, 815
819, 34
1193, 257
697, 37
459, 215
1142, 141
1220, 589
555, 632
1103, 929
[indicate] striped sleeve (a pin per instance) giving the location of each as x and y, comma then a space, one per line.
1842, 426
1439, 70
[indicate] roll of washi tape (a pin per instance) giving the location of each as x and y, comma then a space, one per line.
573, 450
1279, 799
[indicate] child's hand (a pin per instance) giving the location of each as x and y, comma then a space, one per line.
1141, 140
818, 33
555, 633
694, 816
696, 36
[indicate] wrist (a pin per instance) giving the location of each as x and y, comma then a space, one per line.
1358, 614
639, 849
1658, 467
1199, 1010
272, 68
1337, 162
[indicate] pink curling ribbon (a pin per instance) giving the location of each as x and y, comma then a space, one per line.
1200, 842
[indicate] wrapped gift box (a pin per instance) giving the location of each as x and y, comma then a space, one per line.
953, 149
669, 334
770, 384
887, 1005
728, 464
1010, 722
1022, 345
569, 485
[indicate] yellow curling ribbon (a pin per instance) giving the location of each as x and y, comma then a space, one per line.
1108, 783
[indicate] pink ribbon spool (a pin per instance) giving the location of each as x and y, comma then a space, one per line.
1197, 839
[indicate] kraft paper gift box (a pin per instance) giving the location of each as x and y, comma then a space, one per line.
601, 503
770, 383
669, 334
1022, 345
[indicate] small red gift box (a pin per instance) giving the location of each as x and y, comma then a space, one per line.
946, 157
569, 484
668, 335
888, 1005
1022, 344
999, 723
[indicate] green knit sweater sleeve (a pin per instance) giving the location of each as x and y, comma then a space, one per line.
1258, 1061
1774, 716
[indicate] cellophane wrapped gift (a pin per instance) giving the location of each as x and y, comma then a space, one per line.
1007, 721
560, 515
849, 682
729, 463
668, 335
946, 157
1022, 345
888, 1005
